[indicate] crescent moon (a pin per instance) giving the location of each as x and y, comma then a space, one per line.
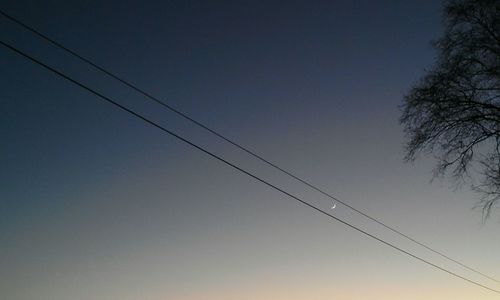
334, 205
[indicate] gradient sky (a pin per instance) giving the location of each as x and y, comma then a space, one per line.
97, 205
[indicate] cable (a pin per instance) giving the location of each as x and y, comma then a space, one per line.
187, 117
234, 166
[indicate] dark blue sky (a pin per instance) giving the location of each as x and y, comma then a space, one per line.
94, 200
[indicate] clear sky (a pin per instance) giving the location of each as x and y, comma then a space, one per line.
97, 205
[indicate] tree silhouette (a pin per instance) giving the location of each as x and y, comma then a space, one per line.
453, 112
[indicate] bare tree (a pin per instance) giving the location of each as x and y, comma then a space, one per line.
453, 112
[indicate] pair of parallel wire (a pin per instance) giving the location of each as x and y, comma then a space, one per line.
239, 146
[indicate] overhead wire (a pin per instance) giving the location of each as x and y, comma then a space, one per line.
239, 146
234, 166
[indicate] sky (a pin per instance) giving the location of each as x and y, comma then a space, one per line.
96, 204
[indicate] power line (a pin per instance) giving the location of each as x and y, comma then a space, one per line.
252, 153
234, 166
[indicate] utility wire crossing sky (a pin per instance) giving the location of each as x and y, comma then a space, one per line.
266, 161
102, 207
